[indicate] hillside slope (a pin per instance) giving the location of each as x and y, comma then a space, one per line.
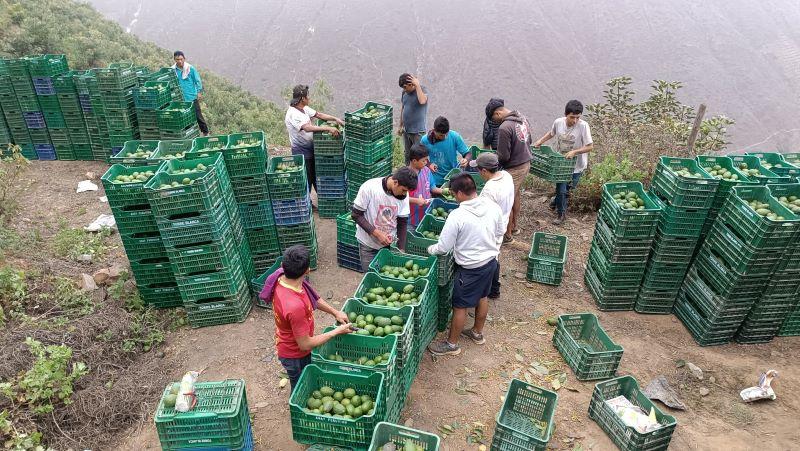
89, 40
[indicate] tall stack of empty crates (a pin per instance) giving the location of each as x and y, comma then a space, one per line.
291, 204
623, 236
368, 145
732, 273
685, 203
329, 165
8, 101
199, 223
44, 69
22, 83
115, 84
91, 106
72, 111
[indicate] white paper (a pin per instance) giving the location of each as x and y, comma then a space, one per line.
103, 220
86, 185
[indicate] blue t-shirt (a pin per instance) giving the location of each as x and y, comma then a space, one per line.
414, 114
444, 154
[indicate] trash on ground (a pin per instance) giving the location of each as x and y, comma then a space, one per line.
86, 185
660, 390
763, 390
102, 221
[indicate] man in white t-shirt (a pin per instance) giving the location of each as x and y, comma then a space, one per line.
381, 211
301, 129
499, 188
574, 140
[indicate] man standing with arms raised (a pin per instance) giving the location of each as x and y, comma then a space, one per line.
413, 112
513, 152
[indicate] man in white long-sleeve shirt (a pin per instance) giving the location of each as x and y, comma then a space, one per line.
471, 232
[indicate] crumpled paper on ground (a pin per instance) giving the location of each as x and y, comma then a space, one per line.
660, 390
102, 221
86, 185
763, 390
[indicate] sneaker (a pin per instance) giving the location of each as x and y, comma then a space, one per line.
508, 239
474, 336
444, 348
560, 219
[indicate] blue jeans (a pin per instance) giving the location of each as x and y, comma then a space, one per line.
561, 192
294, 368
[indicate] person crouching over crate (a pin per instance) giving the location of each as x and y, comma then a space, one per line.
573, 139
293, 303
473, 233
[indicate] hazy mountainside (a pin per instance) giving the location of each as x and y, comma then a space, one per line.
740, 57
89, 40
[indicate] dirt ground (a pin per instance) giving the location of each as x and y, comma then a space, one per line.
466, 391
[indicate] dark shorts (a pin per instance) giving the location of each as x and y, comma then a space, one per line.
472, 285
294, 368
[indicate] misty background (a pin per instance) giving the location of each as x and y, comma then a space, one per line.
740, 57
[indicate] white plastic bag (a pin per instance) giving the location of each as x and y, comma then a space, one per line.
186, 397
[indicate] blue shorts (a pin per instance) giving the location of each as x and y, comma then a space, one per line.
472, 285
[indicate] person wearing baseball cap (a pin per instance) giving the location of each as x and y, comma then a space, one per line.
499, 188
513, 152
301, 129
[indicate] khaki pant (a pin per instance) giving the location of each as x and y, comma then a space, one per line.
518, 174
409, 139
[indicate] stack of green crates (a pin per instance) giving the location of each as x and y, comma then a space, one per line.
621, 246
124, 187
44, 69
86, 88
200, 227
115, 84
751, 166
148, 99
5, 134
329, 163
791, 324
782, 294
291, 204
22, 83
734, 265
245, 156
729, 175
177, 120
167, 75
347, 253
73, 114
368, 145
219, 419
680, 226
12, 111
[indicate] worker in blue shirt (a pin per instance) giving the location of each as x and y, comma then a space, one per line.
446, 148
191, 85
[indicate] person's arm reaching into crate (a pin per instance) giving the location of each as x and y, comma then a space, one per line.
328, 117
546, 137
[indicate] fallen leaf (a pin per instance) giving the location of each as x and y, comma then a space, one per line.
540, 369
283, 382
519, 357
541, 332
556, 384
680, 363
573, 389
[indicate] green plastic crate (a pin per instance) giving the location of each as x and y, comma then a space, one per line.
586, 347
287, 185
629, 223
152, 96
367, 129
331, 208
214, 143
214, 311
220, 418
125, 194
616, 275
547, 258
152, 271
756, 230
550, 165
257, 283
226, 283
204, 257
367, 153
684, 191
417, 244
126, 157
738, 255
245, 161
709, 162
346, 229
143, 245
251, 189
310, 428
526, 420
775, 162
405, 338
386, 257
204, 192
609, 299
325, 144
263, 240
680, 221
161, 295
47, 65
183, 229
357, 174
176, 116
171, 150
785, 192
352, 347
725, 281
764, 177
116, 77
656, 301
626, 437
388, 433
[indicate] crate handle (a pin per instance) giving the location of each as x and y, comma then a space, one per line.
409, 434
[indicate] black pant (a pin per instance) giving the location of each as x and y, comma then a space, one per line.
311, 172
495, 291
201, 121
294, 368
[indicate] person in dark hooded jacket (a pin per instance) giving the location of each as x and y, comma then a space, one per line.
513, 152
490, 128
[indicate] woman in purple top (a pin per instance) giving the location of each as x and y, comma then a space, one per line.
420, 198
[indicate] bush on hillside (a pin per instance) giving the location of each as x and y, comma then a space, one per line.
629, 137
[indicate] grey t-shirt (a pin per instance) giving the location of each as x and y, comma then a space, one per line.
414, 114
